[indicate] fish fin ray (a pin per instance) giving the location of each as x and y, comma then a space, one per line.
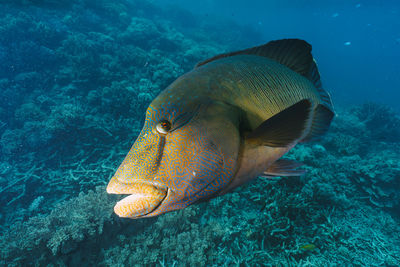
283, 128
321, 120
314, 76
293, 53
284, 167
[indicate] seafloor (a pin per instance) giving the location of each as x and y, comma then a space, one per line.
75, 80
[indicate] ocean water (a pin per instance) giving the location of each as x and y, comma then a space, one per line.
76, 77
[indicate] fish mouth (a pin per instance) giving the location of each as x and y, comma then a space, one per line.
143, 197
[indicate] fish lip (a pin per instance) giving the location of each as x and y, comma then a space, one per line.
142, 181
157, 185
139, 181
167, 193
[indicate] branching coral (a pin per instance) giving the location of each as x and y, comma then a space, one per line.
61, 231
382, 121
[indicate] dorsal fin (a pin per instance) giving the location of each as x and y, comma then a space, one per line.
293, 53
314, 77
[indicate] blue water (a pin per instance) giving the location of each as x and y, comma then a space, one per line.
77, 76
358, 39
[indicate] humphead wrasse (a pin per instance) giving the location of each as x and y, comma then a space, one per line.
222, 124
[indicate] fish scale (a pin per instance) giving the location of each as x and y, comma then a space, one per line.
262, 91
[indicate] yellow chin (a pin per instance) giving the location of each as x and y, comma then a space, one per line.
143, 198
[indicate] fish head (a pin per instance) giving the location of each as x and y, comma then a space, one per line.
184, 154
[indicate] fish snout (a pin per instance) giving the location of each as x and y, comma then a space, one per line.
143, 197
117, 187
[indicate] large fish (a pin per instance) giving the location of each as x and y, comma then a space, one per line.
222, 124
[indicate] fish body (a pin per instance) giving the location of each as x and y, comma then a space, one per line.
308, 247
222, 124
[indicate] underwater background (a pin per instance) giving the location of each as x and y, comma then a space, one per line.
76, 77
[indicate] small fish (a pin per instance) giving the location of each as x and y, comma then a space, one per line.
224, 123
335, 15
347, 43
308, 247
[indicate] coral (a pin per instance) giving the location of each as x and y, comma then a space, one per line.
141, 32
23, 39
36, 203
11, 97
28, 80
118, 99
344, 144
14, 28
183, 240
132, 56
29, 112
61, 231
83, 61
378, 177
11, 141
165, 73
66, 118
197, 52
382, 121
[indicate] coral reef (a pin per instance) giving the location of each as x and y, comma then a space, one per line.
59, 232
77, 78
73, 78
382, 122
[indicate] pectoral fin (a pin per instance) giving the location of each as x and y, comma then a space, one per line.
283, 128
284, 167
320, 123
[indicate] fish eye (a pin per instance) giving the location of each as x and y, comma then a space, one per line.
163, 127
